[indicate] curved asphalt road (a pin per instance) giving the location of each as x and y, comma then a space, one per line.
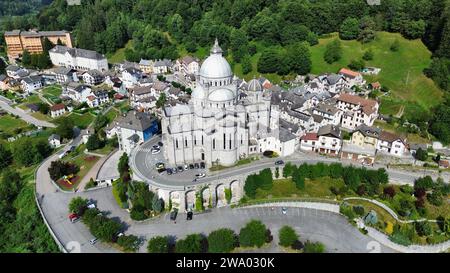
4, 103
331, 229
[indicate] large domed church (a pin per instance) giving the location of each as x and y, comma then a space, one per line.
222, 124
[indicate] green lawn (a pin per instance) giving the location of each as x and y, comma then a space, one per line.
9, 123
119, 55
53, 90
401, 71
28, 100
82, 120
112, 114
318, 188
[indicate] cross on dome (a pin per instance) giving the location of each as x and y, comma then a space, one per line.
216, 48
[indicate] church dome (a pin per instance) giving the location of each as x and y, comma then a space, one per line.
220, 95
216, 66
198, 93
254, 85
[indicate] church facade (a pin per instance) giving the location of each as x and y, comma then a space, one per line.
222, 124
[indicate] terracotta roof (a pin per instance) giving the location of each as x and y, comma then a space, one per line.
91, 98
376, 85
349, 73
310, 136
367, 105
57, 107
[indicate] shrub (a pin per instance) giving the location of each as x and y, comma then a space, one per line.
128, 242
395, 46
368, 55
359, 210
313, 247
389, 191
193, 243
158, 244
222, 241
253, 234
287, 236
78, 205
423, 228
435, 198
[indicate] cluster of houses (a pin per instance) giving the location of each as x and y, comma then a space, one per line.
318, 113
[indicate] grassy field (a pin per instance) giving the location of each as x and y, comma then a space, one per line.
401, 71
119, 55
8, 124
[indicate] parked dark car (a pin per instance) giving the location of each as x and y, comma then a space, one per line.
173, 214
202, 165
180, 169
189, 215
161, 170
279, 162
196, 165
169, 171
160, 143
191, 166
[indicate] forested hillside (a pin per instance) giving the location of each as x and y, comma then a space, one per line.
21, 7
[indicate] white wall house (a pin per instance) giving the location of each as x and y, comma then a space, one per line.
330, 140
391, 144
131, 76
353, 78
57, 110
79, 59
31, 83
93, 77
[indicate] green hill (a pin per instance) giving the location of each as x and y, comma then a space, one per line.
401, 71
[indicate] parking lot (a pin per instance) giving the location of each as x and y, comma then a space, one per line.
149, 158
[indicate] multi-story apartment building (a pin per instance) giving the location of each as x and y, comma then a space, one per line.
79, 59
17, 41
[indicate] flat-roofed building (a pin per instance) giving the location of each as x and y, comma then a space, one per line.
17, 41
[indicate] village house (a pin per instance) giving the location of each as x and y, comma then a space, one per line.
131, 76
65, 75
392, 144
308, 142
97, 98
57, 110
4, 85
93, 77
16, 72
357, 110
31, 83
146, 66
54, 141
188, 65
77, 92
330, 140
162, 66
353, 78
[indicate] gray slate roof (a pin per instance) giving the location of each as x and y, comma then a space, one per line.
78, 52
